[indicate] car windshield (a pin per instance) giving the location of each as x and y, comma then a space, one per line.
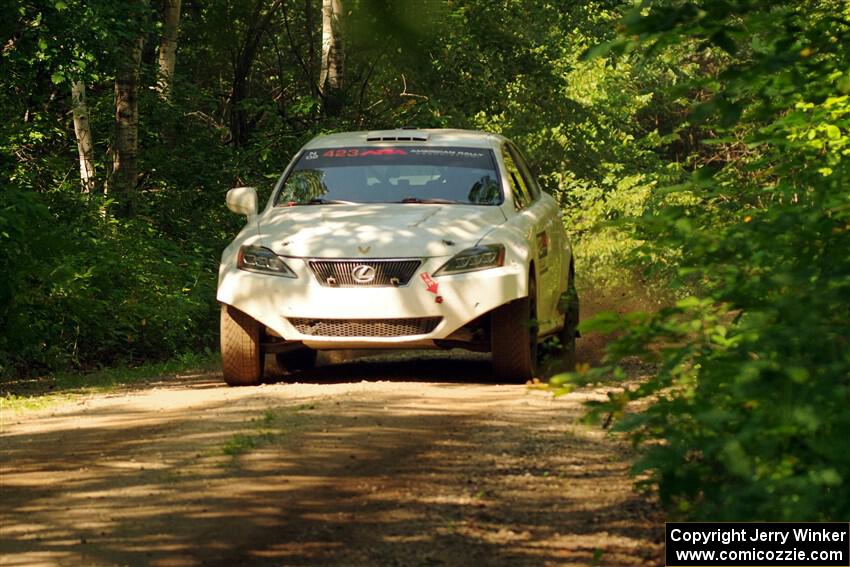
398, 174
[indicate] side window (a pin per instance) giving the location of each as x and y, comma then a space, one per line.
522, 198
525, 172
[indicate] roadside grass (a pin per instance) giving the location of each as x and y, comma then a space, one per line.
264, 430
610, 275
47, 391
240, 443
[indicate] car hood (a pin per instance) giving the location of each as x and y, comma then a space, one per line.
376, 230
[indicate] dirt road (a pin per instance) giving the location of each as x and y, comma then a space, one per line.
371, 462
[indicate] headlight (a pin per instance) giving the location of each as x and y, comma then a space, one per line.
263, 260
474, 259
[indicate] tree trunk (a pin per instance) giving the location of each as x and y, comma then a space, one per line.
124, 166
242, 65
168, 48
82, 129
330, 79
311, 42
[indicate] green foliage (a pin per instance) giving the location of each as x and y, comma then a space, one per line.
748, 417
84, 289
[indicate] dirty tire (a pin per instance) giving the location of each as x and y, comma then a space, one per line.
301, 359
241, 355
513, 339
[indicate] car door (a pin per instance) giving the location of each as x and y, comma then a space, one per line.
548, 238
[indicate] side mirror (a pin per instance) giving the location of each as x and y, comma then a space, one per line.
242, 201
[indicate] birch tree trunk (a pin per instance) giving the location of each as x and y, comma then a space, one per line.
168, 48
124, 154
82, 128
330, 79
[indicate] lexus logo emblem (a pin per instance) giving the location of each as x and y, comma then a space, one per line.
363, 274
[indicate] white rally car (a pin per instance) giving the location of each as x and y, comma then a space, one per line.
398, 239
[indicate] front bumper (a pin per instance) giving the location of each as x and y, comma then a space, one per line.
282, 303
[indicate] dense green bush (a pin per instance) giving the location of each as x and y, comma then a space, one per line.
84, 289
748, 417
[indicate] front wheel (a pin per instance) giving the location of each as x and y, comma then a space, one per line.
513, 339
241, 353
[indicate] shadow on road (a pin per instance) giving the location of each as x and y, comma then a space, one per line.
316, 474
396, 366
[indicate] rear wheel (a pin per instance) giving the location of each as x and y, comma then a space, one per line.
241, 353
301, 359
570, 331
513, 338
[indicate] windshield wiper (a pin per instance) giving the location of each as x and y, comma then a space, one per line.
419, 201
318, 201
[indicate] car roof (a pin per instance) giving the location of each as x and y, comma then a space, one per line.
425, 136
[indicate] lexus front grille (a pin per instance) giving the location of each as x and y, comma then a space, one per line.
365, 327
357, 273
